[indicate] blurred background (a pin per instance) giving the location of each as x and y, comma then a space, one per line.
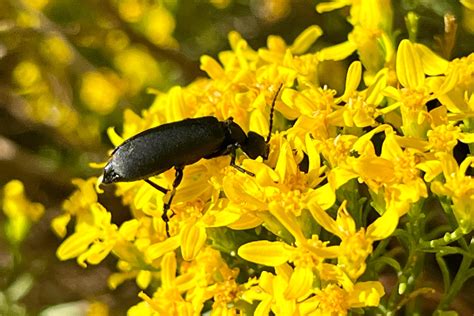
68, 69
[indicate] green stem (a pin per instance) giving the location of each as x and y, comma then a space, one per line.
444, 270
380, 249
437, 231
414, 265
383, 261
462, 275
443, 241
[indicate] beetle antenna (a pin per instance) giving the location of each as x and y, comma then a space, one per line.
271, 113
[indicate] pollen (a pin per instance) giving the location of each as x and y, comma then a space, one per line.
405, 167
443, 138
332, 300
414, 99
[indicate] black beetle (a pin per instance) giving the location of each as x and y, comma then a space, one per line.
179, 144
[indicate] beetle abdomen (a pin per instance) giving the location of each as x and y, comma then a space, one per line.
158, 149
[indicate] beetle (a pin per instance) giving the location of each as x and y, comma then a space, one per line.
179, 144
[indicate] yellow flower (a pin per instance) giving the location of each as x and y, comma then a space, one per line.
208, 276
355, 245
417, 90
458, 100
273, 292
334, 300
57, 50
459, 187
277, 294
168, 299
91, 242
26, 74
20, 211
138, 68
394, 175
100, 92
159, 24
359, 108
278, 196
444, 137
372, 21
78, 205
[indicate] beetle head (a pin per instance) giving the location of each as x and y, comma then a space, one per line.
255, 146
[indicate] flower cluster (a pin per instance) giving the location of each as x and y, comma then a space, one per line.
20, 211
343, 170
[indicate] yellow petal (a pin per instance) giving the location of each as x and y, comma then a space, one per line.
114, 137
432, 169
449, 83
143, 279
325, 195
128, 252
259, 122
300, 283
176, 107
234, 39
96, 253
246, 221
409, 67
193, 238
286, 164
265, 252
288, 220
392, 93
296, 99
383, 226
337, 52
390, 148
432, 64
285, 271
374, 168
59, 223
285, 306
338, 176
144, 196
168, 270
195, 183
366, 294
220, 218
467, 138
263, 308
276, 43
159, 249
212, 68
314, 157
306, 39
115, 279
344, 220
76, 244
331, 6
323, 218
354, 75
129, 229
374, 95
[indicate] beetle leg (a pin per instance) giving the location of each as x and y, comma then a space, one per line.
233, 164
177, 180
156, 186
